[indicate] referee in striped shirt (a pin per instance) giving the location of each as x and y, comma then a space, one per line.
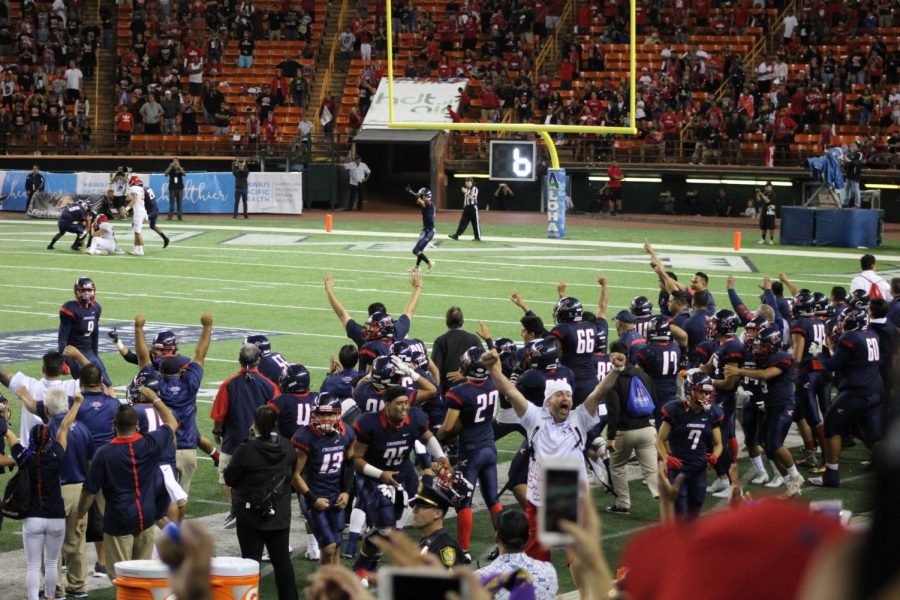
470, 211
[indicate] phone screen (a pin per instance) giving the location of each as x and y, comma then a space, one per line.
416, 587
562, 498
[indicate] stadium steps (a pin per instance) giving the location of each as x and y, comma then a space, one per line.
330, 81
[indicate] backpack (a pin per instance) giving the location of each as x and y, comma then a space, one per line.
875, 291
640, 402
17, 495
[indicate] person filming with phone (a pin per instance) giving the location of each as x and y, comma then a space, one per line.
556, 435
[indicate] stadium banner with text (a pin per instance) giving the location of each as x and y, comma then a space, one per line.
204, 192
12, 190
555, 189
49, 205
414, 100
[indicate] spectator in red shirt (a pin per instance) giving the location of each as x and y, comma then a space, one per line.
783, 128
566, 73
453, 115
124, 124
489, 102
614, 187
669, 122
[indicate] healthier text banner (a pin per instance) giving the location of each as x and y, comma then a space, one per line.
13, 187
414, 100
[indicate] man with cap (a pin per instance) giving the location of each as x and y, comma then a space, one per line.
429, 508
628, 333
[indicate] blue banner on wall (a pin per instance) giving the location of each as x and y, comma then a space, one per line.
207, 193
13, 188
555, 186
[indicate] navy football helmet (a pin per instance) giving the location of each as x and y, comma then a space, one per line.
165, 344
854, 319
858, 299
379, 325
724, 322
698, 386
505, 347
568, 310
751, 329
641, 307
541, 354
820, 303
470, 364
804, 305
406, 354
424, 193
384, 372
294, 380
768, 340
454, 485
85, 290
149, 378
260, 341
659, 329
326, 413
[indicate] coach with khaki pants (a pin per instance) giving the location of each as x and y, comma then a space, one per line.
627, 434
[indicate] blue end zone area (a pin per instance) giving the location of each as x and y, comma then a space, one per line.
31, 345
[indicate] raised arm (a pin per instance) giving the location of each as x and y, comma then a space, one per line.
336, 305
603, 302
140, 344
491, 360
783, 278
164, 413
670, 284
74, 353
737, 304
203, 343
28, 401
517, 300
62, 436
415, 280
592, 402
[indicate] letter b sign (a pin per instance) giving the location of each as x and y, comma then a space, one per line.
512, 161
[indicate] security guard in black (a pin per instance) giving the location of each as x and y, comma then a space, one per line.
429, 508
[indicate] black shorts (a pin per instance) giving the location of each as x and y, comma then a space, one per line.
767, 222
119, 202
615, 193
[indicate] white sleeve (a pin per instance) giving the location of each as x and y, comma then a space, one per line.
584, 418
858, 283
531, 417
20, 379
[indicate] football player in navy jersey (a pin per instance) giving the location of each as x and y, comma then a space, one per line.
295, 404
601, 356
642, 311
856, 358
541, 362
423, 201
379, 334
324, 473
342, 373
690, 438
660, 358
79, 326
575, 339
470, 413
384, 440
751, 397
775, 369
271, 364
433, 405
75, 218
369, 392
808, 338
727, 348
354, 330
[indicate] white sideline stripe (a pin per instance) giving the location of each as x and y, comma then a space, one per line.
545, 241
470, 270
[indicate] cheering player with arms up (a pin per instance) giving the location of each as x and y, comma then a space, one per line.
423, 200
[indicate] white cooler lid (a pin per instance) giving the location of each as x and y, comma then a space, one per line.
232, 566
146, 569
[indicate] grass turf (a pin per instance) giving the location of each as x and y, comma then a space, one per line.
277, 288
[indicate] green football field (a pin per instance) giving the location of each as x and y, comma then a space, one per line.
266, 276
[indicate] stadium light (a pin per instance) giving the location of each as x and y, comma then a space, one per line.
748, 182
882, 186
628, 179
472, 175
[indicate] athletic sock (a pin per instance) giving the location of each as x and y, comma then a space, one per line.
496, 508
464, 527
357, 522
831, 466
792, 472
757, 463
312, 544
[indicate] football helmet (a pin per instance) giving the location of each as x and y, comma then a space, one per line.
751, 329
149, 378
326, 413
470, 364
406, 354
101, 220
568, 310
379, 325
85, 290
659, 329
83, 205
768, 340
424, 193
723, 323
641, 307
804, 305
384, 372
858, 299
698, 386
454, 485
294, 380
541, 354
854, 319
820, 303
260, 341
135, 180
505, 347
165, 344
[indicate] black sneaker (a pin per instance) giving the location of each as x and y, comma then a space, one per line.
453, 236
50, 247
493, 554
74, 594
466, 558
619, 510
99, 570
165, 242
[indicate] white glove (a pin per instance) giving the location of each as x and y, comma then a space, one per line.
404, 369
815, 348
741, 396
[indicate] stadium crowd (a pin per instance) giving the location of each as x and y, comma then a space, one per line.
397, 435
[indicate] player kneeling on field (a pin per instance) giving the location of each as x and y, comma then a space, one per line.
103, 238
